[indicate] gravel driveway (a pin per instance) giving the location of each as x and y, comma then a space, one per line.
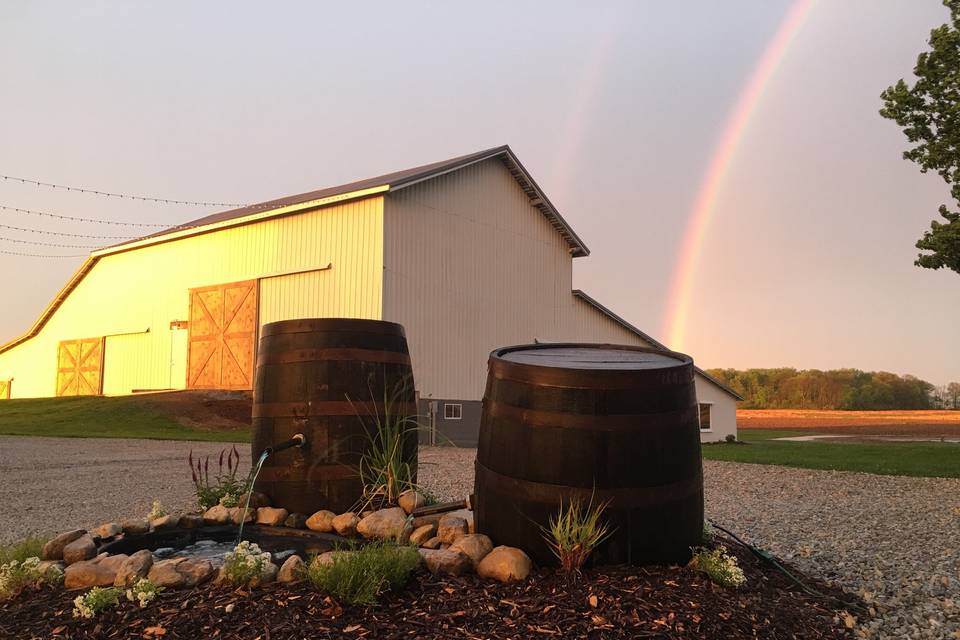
893, 540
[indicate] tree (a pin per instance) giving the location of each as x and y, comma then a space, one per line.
929, 113
953, 393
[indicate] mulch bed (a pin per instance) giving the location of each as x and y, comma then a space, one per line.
612, 602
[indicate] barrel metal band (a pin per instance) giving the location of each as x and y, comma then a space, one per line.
592, 422
620, 498
319, 409
321, 355
317, 472
590, 379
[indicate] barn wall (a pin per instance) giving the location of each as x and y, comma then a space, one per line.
470, 265
147, 288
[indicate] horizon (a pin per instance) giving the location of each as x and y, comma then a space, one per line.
810, 233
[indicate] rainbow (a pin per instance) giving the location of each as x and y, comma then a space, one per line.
704, 206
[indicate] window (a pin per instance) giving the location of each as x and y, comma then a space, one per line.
704, 416
452, 411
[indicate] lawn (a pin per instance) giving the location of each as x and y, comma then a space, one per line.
99, 417
927, 459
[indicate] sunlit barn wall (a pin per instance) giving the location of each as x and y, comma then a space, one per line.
147, 288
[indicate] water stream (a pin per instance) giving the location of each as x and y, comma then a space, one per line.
253, 481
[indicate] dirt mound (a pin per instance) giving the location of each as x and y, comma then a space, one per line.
204, 410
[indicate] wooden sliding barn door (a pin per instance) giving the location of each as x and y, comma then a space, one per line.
80, 367
5, 389
222, 336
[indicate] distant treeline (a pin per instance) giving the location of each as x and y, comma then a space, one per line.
838, 389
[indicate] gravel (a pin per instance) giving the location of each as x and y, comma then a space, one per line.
895, 541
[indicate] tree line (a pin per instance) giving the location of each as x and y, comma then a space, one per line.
849, 389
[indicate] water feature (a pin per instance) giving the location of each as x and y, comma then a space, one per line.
297, 440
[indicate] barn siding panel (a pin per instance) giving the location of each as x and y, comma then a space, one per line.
148, 288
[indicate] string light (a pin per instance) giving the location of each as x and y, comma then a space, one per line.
66, 234
39, 255
58, 216
51, 244
126, 196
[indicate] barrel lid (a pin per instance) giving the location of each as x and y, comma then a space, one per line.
603, 357
587, 365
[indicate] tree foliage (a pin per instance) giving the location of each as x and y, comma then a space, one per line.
838, 389
929, 113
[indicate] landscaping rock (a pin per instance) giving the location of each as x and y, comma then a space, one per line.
108, 530
257, 500
53, 549
329, 557
435, 518
133, 568
239, 514
99, 572
180, 572
422, 534
346, 524
291, 570
475, 545
51, 570
411, 499
164, 522
446, 561
83, 548
297, 521
321, 521
217, 514
385, 524
432, 543
506, 564
267, 575
271, 517
451, 528
190, 521
136, 526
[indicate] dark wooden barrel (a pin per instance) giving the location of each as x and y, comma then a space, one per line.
326, 378
568, 422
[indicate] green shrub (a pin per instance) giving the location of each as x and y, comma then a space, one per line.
575, 532
360, 576
721, 567
94, 601
20, 551
731, 438
225, 488
244, 564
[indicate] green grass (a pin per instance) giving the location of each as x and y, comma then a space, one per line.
20, 551
926, 459
98, 417
362, 575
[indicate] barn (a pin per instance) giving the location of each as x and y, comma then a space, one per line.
468, 254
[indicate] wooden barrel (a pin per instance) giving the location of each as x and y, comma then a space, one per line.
330, 379
613, 423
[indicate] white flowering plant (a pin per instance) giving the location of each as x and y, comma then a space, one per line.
156, 511
143, 591
16, 574
719, 565
245, 563
94, 601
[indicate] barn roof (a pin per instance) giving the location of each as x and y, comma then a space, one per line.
643, 336
369, 186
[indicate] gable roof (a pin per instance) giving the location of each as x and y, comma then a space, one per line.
361, 188
577, 293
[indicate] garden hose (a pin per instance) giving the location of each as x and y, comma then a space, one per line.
767, 557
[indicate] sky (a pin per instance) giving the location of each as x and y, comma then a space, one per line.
616, 108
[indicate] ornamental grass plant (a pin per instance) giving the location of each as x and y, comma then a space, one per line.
360, 576
575, 532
